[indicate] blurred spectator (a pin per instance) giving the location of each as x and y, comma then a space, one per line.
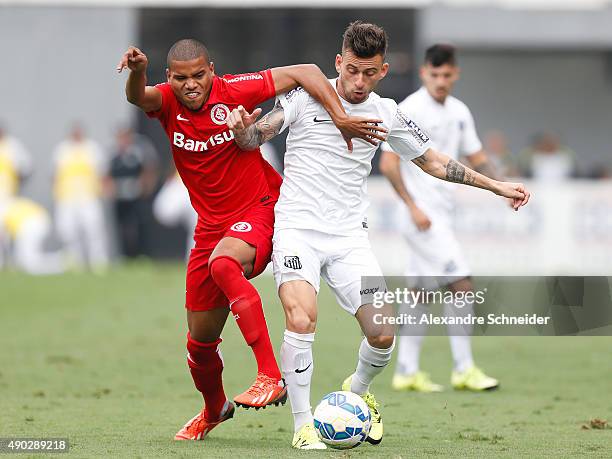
79, 167
547, 160
15, 165
172, 207
131, 180
26, 226
496, 145
600, 172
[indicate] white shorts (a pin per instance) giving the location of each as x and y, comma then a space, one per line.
435, 252
346, 263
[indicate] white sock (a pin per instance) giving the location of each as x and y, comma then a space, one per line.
410, 342
371, 362
460, 337
296, 365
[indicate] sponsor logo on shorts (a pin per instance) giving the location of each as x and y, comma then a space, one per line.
369, 291
241, 227
219, 113
293, 262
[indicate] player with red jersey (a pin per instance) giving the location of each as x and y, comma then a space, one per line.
234, 193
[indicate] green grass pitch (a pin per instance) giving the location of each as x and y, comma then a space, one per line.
101, 360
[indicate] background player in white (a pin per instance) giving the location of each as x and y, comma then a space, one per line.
320, 227
435, 255
172, 207
26, 226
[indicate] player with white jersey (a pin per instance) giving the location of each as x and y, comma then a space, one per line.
320, 227
436, 259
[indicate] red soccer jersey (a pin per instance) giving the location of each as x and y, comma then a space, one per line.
223, 181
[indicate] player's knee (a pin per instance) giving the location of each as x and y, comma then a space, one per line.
381, 342
223, 267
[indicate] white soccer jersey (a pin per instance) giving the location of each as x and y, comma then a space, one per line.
452, 131
325, 185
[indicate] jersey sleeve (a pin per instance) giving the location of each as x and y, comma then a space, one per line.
250, 89
406, 138
470, 143
166, 92
293, 103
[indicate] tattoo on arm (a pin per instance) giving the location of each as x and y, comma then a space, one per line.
421, 160
263, 130
456, 172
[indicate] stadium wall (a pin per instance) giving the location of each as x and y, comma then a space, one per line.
60, 68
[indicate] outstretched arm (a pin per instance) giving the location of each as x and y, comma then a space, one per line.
147, 98
249, 134
441, 166
310, 77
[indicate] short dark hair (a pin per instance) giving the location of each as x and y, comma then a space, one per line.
364, 39
440, 54
187, 50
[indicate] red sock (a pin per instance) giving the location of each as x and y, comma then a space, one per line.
246, 308
206, 366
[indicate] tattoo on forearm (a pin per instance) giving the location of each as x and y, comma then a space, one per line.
247, 139
269, 126
263, 130
456, 172
421, 160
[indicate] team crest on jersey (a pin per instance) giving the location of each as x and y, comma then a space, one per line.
241, 227
219, 114
293, 262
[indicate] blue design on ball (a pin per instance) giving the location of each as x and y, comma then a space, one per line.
329, 431
342, 436
361, 415
348, 407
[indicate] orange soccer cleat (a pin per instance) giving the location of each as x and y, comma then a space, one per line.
198, 427
264, 391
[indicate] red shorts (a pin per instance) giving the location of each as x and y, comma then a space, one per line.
256, 228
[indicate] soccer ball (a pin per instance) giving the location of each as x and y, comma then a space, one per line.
342, 420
